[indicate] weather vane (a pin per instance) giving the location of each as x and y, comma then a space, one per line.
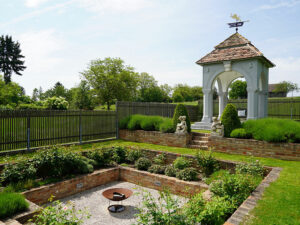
238, 22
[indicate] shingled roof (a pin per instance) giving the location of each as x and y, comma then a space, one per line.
235, 47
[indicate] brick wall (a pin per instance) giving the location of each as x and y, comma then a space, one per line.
161, 182
286, 151
155, 137
69, 187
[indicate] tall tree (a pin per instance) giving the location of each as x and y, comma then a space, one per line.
82, 96
58, 90
286, 86
111, 80
238, 90
10, 58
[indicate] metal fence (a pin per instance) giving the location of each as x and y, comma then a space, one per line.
280, 108
28, 129
148, 108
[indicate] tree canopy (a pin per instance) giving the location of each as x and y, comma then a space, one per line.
238, 90
111, 80
286, 86
10, 58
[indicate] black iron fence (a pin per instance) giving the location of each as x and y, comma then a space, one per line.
148, 108
27, 129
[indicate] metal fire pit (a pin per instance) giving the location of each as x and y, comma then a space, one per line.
110, 194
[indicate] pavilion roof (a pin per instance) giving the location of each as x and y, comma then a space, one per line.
235, 47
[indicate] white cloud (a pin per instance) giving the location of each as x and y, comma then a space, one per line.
114, 5
281, 4
34, 3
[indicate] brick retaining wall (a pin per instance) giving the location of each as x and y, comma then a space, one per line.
286, 151
156, 137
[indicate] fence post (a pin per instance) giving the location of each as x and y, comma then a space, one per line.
28, 131
117, 121
80, 128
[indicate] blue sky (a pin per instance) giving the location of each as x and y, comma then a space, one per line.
161, 37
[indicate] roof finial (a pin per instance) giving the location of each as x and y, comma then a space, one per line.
238, 22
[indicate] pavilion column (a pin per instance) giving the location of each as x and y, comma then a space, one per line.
207, 106
262, 104
252, 106
222, 102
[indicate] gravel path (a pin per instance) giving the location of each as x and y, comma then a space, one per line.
96, 204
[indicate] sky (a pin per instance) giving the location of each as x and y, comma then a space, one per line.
162, 37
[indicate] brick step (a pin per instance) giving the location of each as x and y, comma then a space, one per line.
201, 134
197, 142
200, 138
204, 147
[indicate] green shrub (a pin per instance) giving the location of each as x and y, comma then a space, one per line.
124, 122
21, 171
217, 175
133, 154
11, 203
236, 187
187, 174
59, 103
230, 119
181, 163
135, 122
254, 168
181, 110
119, 154
171, 170
167, 126
240, 133
273, 130
102, 157
207, 162
58, 163
213, 212
30, 106
159, 169
151, 123
160, 159
143, 163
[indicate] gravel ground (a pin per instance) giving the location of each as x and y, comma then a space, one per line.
96, 204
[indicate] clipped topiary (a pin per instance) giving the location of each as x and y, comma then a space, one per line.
167, 126
181, 110
143, 163
240, 133
123, 122
230, 119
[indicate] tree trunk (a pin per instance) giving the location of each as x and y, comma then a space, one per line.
108, 106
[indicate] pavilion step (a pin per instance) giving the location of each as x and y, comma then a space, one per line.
200, 134
200, 138
200, 143
204, 147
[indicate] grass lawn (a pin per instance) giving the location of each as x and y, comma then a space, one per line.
281, 201
202, 131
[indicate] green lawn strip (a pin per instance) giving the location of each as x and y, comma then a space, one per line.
201, 131
281, 201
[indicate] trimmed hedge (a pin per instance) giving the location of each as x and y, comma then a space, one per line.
230, 119
240, 133
148, 123
181, 110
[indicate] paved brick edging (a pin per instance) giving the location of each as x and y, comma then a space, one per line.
156, 137
243, 211
286, 151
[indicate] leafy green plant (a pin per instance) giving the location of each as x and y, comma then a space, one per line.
207, 162
102, 157
187, 174
133, 154
167, 126
171, 170
181, 110
230, 119
181, 163
20, 171
11, 203
143, 163
165, 210
159, 169
217, 175
58, 213
240, 133
236, 187
135, 122
119, 154
213, 212
254, 168
123, 122
151, 123
59, 103
160, 159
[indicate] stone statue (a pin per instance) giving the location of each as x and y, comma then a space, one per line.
217, 129
181, 127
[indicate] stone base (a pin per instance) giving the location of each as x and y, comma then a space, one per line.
201, 126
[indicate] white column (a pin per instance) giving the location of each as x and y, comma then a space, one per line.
262, 104
222, 102
207, 106
252, 106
